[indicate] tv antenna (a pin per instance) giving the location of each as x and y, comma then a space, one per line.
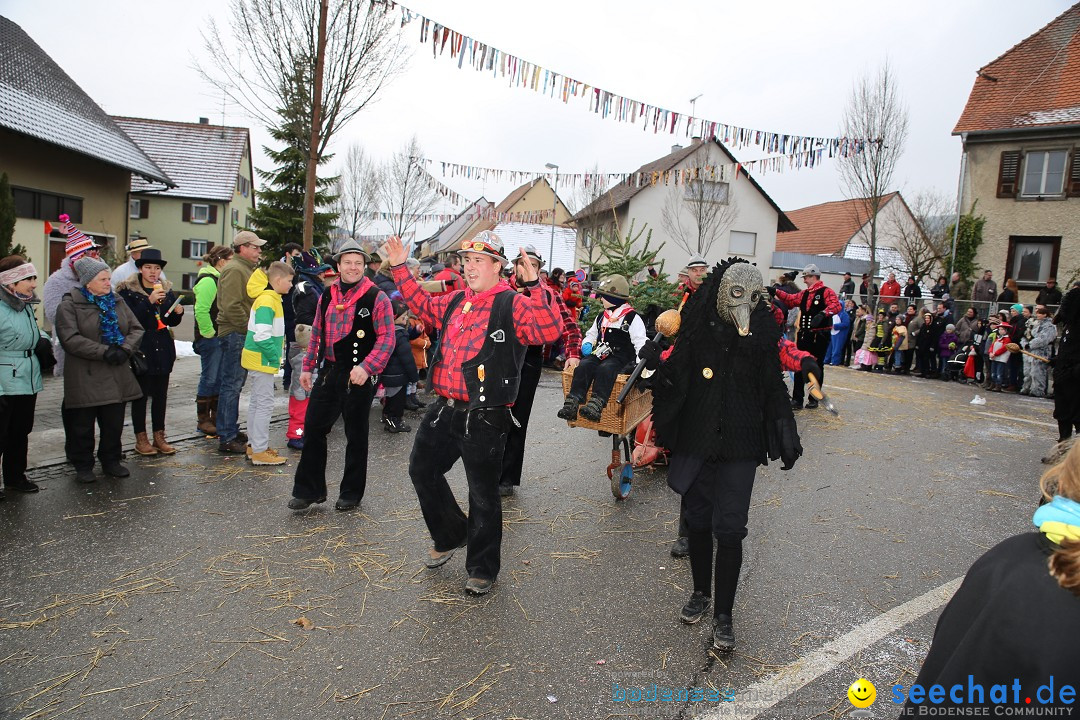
693, 104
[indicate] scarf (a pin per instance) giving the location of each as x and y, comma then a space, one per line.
110, 325
1059, 519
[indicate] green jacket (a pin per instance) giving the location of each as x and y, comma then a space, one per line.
234, 303
20, 373
206, 290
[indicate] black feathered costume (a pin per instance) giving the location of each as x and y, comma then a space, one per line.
720, 405
1067, 366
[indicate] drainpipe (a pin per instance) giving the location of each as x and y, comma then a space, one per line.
959, 200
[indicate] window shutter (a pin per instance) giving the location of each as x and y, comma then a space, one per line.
213, 214
1009, 174
1072, 183
185, 248
144, 208
209, 246
187, 212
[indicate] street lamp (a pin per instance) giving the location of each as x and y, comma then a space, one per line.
554, 206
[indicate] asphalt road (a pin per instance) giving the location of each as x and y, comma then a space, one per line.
177, 592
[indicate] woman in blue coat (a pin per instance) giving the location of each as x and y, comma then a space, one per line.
20, 370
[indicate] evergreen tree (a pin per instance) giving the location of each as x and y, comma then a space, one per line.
968, 240
628, 256
279, 214
7, 220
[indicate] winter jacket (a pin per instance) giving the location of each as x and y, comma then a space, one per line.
206, 310
234, 303
1042, 337
912, 291
401, 368
20, 371
89, 381
307, 289
157, 344
984, 291
998, 352
59, 284
858, 333
420, 343
265, 338
1049, 296
385, 282
890, 292
947, 339
900, 339
965, 329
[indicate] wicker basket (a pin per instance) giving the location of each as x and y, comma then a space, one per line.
616, 419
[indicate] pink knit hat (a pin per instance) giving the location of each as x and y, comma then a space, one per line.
78, 242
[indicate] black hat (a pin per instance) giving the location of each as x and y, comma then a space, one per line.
150, 255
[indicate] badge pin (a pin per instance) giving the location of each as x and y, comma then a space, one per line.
478, 246
364, 312
706, 373
498, 336
359, 333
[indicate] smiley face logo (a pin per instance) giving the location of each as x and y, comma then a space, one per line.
862, 693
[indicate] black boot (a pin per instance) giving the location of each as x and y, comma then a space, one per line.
593, 410
395, 425
723, 638
414, 403
680, 548
570, 408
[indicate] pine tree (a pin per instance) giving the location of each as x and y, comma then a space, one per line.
628, 256
279, 215
7, 220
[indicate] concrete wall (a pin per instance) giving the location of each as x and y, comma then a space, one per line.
1020, 216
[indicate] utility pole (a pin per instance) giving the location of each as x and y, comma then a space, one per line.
316, 125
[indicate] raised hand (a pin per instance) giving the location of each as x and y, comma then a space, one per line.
394, 251
528, 272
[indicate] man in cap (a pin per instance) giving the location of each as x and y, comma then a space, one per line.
696, 270
134, 251
476, 372
514, 456
234, 307
352, 336
817, 304
373, 264
847, 288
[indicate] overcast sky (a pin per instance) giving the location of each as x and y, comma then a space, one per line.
771, 64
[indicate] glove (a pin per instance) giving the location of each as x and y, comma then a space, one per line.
819, 321
809, 365
771, 290
789, 447
650, 353
116, 355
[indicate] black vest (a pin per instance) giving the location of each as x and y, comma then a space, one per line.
617, 336
351, 350
213, 306
493, 376
811, 305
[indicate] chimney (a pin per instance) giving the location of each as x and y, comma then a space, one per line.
696, 140
676, 148
204, 121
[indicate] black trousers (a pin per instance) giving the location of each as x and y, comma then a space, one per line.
817, 344
16, 424
514, 456
155, 389
331, 397
79, 443
849, 349
600, 373
479, 439
394, 406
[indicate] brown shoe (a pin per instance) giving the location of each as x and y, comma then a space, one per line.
162, 444
266, 457
233, 447
143, 446
205, 424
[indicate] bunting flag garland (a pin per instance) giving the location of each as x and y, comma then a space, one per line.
532, 216
522, 73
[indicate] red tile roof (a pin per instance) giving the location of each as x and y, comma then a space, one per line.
825, 229
1036, 83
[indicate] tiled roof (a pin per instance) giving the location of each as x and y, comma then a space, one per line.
827, 228
40, 100
1036, 83
203, 160
623, 192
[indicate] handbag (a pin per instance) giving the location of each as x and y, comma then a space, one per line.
138, 363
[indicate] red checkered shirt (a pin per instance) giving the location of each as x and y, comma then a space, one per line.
536, 322
571, 333
832, 302
339, 323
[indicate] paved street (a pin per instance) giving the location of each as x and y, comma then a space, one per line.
189, 590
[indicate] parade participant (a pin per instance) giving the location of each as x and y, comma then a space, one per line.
149, 297
449, 276
207, 345
514, 455
63, 281
720, 405
1043, 334
486, 330
264, 344
696, 269
817, 304
573, 297
1016, 615
308, 285
352, 336
1067, 367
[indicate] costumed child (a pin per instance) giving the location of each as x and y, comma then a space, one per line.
841, 324
881, 344
400, 371
721, 406
999, 356
611, 343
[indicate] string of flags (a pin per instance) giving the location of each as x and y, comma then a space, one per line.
525, 74
532, 216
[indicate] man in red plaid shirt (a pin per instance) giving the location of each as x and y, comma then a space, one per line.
485, 330
352, 337
817, 304
514, 456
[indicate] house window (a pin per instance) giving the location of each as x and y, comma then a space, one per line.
187, 282
133, 208
194, 249
1044, 172
742, 243
200, 214
40, 205
707, 191
235, 217
1032, 260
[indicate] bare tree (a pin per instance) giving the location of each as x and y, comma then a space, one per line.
583, 196
876, 114
270, 43
921, 239
357, 190
698, 213
404, 191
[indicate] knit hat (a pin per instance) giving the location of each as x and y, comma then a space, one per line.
485, 243
615, 286
530, 251
78, 242
950, 328
1017, 307
87, 268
